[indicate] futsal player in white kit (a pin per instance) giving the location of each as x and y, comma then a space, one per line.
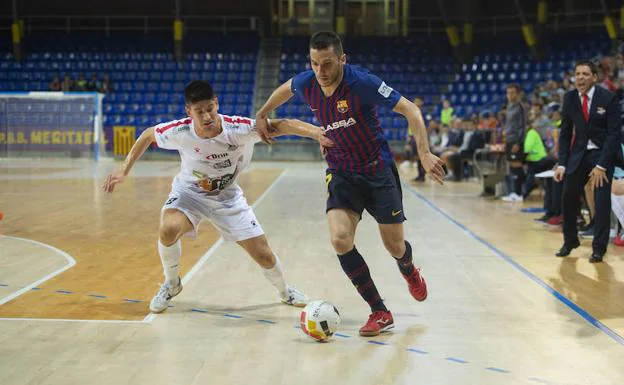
214, 149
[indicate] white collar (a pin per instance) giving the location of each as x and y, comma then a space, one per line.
590, 93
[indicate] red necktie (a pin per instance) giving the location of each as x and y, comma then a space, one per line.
585, 108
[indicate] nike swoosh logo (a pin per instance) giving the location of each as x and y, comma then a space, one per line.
313, 109
395, 213
383, 321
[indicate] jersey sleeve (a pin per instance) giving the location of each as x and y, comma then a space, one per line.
241, 130
167, 134
298, 84
375, 91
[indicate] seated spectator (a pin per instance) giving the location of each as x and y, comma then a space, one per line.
94, 84
107, 85
55, 84
473, 140
456, 139
80, 84
447, 115
67, 85
443, 140
617, 201
433, 132
540, 120
536, 159
553, 194
552, 135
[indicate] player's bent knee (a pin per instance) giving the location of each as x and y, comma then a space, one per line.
169, 232
396, 249
342, 242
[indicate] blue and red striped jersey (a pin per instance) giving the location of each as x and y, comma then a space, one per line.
349, 118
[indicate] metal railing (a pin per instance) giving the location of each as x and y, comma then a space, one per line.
492, 25
143, 23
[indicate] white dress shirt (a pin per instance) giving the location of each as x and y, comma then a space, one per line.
590, 97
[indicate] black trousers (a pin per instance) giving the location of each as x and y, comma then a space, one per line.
573, 185
553, 196
533, 168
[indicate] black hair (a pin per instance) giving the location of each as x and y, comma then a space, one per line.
592, 66
515, 86
326, 39
197, 91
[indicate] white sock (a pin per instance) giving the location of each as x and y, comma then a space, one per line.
617, 205
275, 275
170, 258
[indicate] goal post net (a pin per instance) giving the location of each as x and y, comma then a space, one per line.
55, 124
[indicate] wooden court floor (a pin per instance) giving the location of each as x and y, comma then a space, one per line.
78, 268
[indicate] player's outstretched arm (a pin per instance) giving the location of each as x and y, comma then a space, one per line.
138, 149
431, 163
280, 96
299, 128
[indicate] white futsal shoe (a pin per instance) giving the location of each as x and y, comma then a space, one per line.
295, 298
161, 300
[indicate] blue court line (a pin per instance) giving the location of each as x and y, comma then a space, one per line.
577, 309
66, 292
458, 360
539, 380
498, 370
452, 359
417, 351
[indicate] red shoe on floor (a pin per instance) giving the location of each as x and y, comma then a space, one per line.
378, 322
555, 221
417, 285
618, 241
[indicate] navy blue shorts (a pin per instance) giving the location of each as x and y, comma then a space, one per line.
380, 193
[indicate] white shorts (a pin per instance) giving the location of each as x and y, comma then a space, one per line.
228, 212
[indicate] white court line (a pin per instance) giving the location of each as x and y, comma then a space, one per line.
74, 320
202, 261
70, 263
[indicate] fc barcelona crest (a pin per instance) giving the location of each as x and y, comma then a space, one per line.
342, 106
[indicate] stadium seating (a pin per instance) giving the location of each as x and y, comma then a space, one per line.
147, 82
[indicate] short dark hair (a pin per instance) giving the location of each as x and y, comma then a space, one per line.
513, 85
197, 91
326, 39
592, 66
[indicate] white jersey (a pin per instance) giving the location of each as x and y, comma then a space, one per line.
212, 165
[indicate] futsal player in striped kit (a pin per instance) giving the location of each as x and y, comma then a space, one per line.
361, 173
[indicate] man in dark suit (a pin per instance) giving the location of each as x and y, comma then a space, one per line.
589, 139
